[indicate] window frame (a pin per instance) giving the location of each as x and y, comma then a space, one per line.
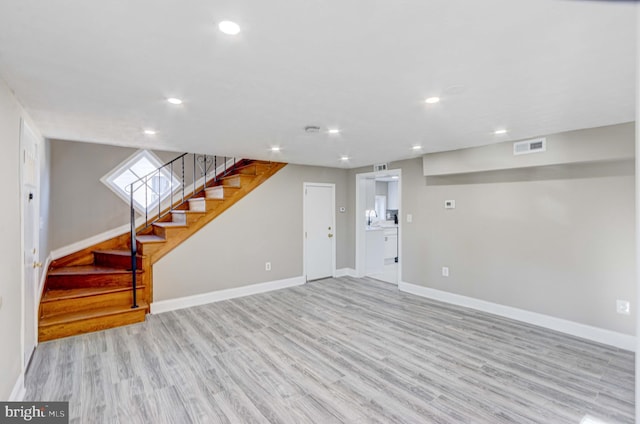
108, 180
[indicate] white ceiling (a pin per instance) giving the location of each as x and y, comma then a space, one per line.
100, 72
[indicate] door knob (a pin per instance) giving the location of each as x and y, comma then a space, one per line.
330, 235
37, 264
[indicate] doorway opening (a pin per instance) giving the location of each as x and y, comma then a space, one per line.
378, 225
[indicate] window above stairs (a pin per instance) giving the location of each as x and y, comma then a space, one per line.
148, 192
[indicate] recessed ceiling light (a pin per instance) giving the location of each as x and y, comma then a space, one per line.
432, 100
149, 132
344, 158
500, 132
334, 131
174, 101
417, 147
275, 149
229, 28
395, 177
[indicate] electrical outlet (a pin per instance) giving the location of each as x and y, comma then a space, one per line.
409, 217
449, 204
623, 307
267, 266
445, 271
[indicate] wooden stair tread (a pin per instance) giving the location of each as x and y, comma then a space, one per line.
115, 252
84, 315
88, 270
150, 238
53, 295
169, 224
187, 212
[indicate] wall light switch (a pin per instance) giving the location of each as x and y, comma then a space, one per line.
623, 307
409, 217
445, 271
267, 266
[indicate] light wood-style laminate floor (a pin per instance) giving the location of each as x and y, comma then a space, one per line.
333, 351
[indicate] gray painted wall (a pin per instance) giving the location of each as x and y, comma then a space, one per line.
266, 225
557, 240
81, 206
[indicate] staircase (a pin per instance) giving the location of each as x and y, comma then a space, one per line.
92, 289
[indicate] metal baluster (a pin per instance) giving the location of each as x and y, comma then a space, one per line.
183, 179
158, 183
194, 175
134, 252
205, 171
170, 185
146, 203
215, 168
225, 166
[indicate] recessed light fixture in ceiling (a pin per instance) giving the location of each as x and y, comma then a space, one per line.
333, 131
275, 149
174, 101
229, 28
500, 131
418, 147
432, 100
344, 158
394, 177
150, 132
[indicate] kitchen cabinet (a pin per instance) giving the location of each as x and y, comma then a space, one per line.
390, 243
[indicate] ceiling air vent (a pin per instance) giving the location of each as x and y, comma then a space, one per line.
530, 146
380, 167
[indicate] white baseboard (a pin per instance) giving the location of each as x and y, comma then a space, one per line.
345, 272
19, 391
219, 295
600, 335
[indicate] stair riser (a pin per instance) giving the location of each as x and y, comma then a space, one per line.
167, 232
204, 205
186, 218
236, 180
87, 303
57, 331
115, 261
89, 280
220, 192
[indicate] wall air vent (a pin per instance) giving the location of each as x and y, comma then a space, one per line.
380, 167
530, 146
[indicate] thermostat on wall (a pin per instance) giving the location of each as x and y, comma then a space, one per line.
449, 204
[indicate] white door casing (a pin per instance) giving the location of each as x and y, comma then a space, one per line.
319, 231
30, 198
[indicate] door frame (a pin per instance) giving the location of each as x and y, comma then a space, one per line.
305, 185
360, 221
27, 131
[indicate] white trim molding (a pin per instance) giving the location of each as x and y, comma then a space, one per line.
19, 390
600, 335
226, 294
345, 272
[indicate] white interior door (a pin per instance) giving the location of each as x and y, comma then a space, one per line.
30, 231
319, 230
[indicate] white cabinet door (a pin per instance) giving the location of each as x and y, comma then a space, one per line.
390, 246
